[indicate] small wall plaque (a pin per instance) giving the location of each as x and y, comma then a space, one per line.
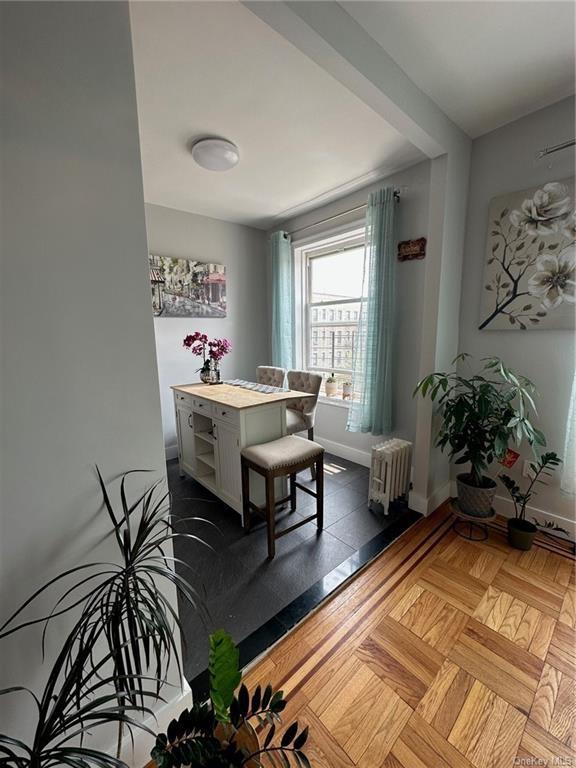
412, 249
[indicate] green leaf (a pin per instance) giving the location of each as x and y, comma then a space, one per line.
243, 700
289, 734
267, 696
256, 699
539, 437
301, 739
172, 731
269, 737
224, 671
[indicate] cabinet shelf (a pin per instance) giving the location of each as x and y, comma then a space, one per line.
207, 458
208, 437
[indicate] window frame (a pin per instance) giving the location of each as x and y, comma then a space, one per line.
349, 237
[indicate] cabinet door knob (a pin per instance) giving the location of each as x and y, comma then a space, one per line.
189, 417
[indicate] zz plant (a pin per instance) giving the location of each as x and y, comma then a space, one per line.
220, 734
521, 532
546, 462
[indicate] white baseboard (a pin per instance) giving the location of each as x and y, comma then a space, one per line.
505, 507
171, 451
344, 451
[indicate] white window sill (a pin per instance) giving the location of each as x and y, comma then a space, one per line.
337, 401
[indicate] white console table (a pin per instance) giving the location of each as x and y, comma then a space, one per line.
214, 423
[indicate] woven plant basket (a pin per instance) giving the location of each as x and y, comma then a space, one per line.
474, 501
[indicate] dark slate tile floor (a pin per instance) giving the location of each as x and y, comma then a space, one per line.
250, 596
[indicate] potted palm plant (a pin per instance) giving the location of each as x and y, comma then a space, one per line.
481, 414
521, 532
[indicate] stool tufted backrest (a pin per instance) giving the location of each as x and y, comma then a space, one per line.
268, 374
304, 381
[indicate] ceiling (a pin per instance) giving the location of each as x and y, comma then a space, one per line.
484, 63
214, 68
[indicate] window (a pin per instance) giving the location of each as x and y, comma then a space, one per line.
331, 295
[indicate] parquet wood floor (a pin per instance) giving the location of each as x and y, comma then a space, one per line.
442, 653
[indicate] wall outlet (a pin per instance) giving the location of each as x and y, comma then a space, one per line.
526, 471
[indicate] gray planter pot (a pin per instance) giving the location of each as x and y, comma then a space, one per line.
473, 501
521, 534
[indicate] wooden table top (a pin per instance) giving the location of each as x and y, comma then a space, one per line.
237, 397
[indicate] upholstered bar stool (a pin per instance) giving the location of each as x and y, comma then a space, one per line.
270, 375
300, 414
280, 458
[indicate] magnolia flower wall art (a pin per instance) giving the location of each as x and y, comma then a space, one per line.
530, 271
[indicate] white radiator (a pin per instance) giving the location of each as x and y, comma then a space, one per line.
390, 471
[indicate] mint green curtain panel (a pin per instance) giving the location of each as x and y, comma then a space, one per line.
374, 353
282, 286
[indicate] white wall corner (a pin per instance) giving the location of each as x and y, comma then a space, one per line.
425, 505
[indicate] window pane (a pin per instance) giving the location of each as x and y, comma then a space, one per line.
337, 276
332, 335
333, 298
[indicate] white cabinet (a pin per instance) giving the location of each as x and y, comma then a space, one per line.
227, 452
211, 437
185, 432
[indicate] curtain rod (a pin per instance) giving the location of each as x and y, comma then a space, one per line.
339, 215
555, 148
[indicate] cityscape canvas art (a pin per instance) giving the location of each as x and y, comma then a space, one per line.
530, 270
187, 288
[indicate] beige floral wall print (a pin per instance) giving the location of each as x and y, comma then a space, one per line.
530, 272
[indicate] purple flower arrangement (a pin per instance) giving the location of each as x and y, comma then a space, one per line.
208, 349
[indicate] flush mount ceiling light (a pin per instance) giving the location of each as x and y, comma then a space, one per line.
215, 154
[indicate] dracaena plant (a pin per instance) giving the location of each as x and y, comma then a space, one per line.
64, 716
481, 413
210, 735
121, 610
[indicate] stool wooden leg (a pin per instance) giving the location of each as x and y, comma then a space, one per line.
270, 516
246, 520
292, 493
312, 469
320, 492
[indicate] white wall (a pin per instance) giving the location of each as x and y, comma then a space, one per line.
412, 223
504, 161
243, 251
78, 364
